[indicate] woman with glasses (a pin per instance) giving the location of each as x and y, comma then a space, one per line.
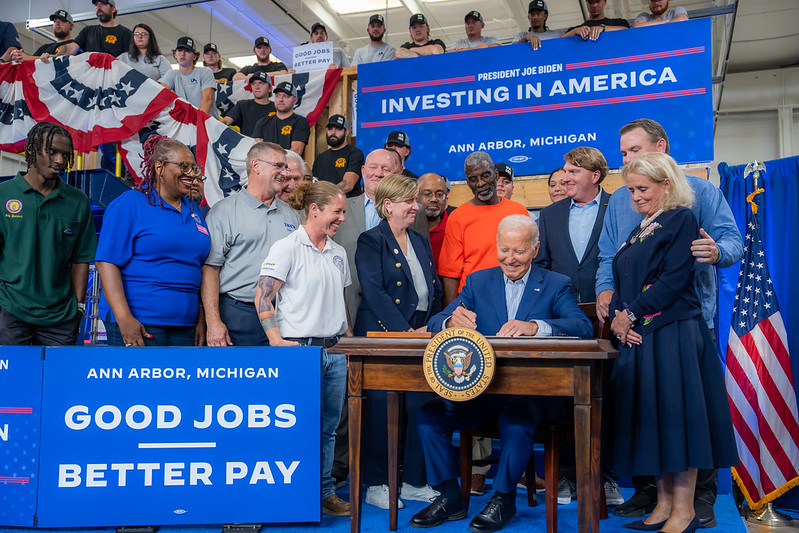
400, 293
152, 246
144, 54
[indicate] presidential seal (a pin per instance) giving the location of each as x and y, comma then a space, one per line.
459, 364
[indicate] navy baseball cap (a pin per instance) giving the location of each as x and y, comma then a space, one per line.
418, 17
261, 75
398, 137
286, 87
504, 168
537, 4
187, 43
339, 121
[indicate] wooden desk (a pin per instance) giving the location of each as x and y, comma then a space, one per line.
540, 367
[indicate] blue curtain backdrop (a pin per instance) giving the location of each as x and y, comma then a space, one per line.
779, 221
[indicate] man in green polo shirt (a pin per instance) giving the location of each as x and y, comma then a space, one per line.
47, 239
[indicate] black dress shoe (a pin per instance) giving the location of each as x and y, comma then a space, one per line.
495, 515
441, 510
641, 503
704, 511
640, 525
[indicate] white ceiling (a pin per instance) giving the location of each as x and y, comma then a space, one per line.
763, 32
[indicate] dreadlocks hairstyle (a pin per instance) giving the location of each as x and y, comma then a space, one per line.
40, 140
156, 148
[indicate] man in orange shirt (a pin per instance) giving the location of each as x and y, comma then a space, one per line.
478, 218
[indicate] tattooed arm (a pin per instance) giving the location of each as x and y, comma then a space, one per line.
264, 294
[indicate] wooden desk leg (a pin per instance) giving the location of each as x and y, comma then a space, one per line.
393, 417
551, 480
582, 452
600, 511
354, 385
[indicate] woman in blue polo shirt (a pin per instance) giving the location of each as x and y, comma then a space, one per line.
153, 244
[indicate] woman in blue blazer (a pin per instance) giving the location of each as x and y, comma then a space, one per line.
400, 293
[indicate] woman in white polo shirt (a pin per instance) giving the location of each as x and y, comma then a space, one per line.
307, 272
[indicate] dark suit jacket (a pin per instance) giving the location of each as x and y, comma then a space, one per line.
389, 296
347, 236
557, 253
547, 296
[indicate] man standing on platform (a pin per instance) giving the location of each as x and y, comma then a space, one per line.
537, 14
243, 228
719, 245
48, 239
514, 299
108, 36
473, 23
570, 228
597, 22
62, 29
433, 195
341, 163
377, 49
263, 52
246, 113
285, 127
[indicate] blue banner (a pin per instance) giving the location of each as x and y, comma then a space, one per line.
166, 436
529, 107
20, 415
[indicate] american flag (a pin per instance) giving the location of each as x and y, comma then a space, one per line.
759, 382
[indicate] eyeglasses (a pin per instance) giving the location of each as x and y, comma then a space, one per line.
283, 168
192, 170
140, 34
429, 194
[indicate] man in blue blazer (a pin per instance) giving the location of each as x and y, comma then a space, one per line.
514, 299
569, 229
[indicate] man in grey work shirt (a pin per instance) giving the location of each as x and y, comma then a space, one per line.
473, 24
377, 50
243, 228
537, 15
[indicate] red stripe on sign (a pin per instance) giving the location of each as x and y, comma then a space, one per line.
536, 109
17, 410
14, 479
414, 84
639, 57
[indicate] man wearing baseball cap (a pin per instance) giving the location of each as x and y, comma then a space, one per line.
108, 36
62, 29
504, 180
341, 163
537, 14
213, 60
263, 51
319, 35
377, 49
398, 141
246, 113
420, 43
194, 84
473, 24
285, 127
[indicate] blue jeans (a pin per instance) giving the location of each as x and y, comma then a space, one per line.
334, 385
162, 335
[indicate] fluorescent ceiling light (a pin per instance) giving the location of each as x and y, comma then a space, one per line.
345, 7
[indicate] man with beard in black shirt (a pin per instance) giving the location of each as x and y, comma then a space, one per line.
108, 36
341, 163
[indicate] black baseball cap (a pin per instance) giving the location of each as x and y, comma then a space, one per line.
418, 17
504, 168
378, 18
261, 75
63, 15
398, 137
317, 25
339, 121
286, 87
261, 40
210, 46
106, 2
537, 4
187, 43
473, 15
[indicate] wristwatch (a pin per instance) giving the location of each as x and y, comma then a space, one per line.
631, 316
